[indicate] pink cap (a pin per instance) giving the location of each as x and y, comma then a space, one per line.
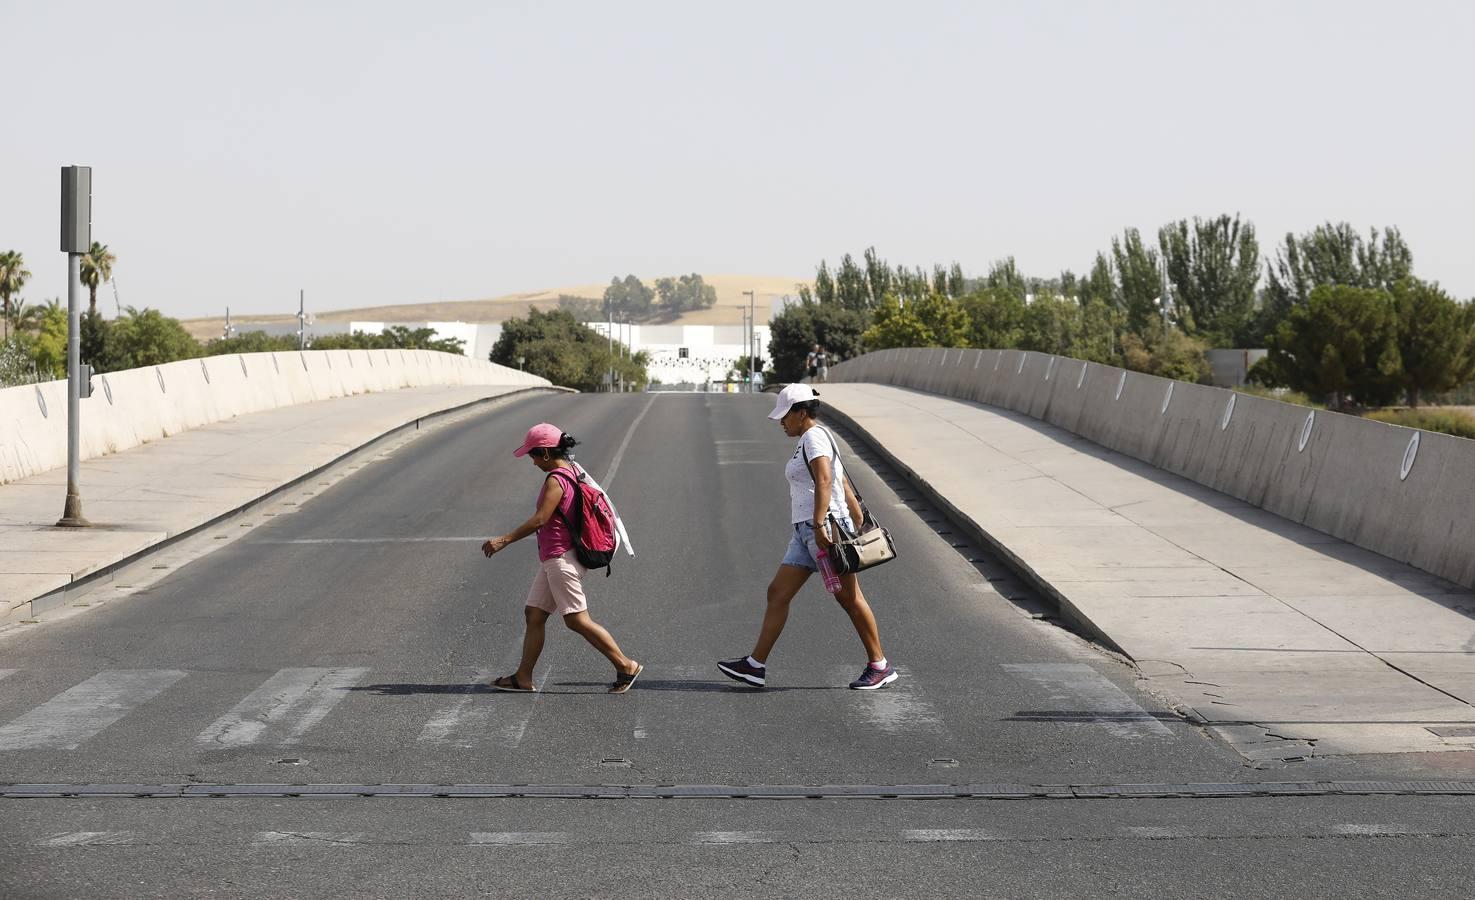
540, 435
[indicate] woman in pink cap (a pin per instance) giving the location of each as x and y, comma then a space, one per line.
558, 587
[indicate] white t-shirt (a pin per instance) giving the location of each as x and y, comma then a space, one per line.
816, 442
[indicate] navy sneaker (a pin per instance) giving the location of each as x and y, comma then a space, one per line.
741, 670
872, 678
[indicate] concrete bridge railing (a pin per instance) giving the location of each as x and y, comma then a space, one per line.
1401, 492
134, 406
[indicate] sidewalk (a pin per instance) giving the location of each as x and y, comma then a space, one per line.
1289, 641
139, 498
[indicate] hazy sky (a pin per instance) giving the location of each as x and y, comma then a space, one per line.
397, 152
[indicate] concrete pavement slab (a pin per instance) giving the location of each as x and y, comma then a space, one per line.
1247, 617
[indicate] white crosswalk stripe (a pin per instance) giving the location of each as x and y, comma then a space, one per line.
73, 716
283, 709
87, 838
1088, 697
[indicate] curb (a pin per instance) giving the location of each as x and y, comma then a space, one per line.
63, 595
1068, 610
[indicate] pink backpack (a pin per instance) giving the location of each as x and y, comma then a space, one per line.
593, 524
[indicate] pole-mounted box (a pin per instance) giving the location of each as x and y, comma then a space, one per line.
76, 209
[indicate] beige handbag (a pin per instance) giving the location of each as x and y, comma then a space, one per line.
871, 545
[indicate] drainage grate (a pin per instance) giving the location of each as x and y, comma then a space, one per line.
1189, 790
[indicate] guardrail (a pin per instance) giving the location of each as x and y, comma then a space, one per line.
1404, 493
134, 406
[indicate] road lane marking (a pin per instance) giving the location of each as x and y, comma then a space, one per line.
520, 837
283, 709
1073, 685
73, 716
1354, 828
87, 838
950, 834
310, 837
737, 837
614, 465
466, 721
896, 708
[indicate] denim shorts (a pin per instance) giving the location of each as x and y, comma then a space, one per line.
803, 549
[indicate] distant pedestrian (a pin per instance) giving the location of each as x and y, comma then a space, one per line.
818, 489
811, 363
821, 365
558, 586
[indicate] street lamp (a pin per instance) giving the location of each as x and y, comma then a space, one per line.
76, 239
752, 329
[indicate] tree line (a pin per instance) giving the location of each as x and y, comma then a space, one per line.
560, 348
34, 346
629, 299
1342, 315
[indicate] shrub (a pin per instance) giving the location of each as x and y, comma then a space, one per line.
1444, 421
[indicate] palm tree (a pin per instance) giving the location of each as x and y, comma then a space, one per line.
29, 318
97, 267
13, 277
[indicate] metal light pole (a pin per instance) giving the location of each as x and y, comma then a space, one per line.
609, 331
301, 319
76, 239
752, 329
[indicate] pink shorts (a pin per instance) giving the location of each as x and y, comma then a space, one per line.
558, 588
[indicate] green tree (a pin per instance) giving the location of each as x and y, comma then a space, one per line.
878, 277
1333, 254
1051, 324
688, 292
251, 342
995, 316
1162, 350
50, 347
1139, 280
13, 277
585, 309
1100, 284
1342, 344
97, 267
94, 338
1004, 275
800, 326
852, 289
894, 325
629, 298
554, 345
1096, 338
1214, 267
146, 337
824, 284
17, 361
1436, 340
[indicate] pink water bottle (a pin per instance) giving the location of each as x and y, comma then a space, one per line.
827, 570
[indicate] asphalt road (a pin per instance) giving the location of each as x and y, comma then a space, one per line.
346, 638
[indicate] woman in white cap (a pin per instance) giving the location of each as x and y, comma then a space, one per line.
818, 489
558, 587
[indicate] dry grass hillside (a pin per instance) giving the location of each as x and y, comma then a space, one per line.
730, 296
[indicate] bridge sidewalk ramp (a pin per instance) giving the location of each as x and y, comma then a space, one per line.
1289, 642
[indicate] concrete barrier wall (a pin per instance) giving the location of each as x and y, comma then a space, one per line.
1404, 493
135, 406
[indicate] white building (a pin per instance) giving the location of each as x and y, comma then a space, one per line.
690, 354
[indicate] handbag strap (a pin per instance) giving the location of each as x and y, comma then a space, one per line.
865, 513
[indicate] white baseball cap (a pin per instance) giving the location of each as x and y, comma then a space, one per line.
794, 393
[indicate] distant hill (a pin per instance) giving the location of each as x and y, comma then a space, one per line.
730, 290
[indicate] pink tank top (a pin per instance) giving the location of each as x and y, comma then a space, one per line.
554, 538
